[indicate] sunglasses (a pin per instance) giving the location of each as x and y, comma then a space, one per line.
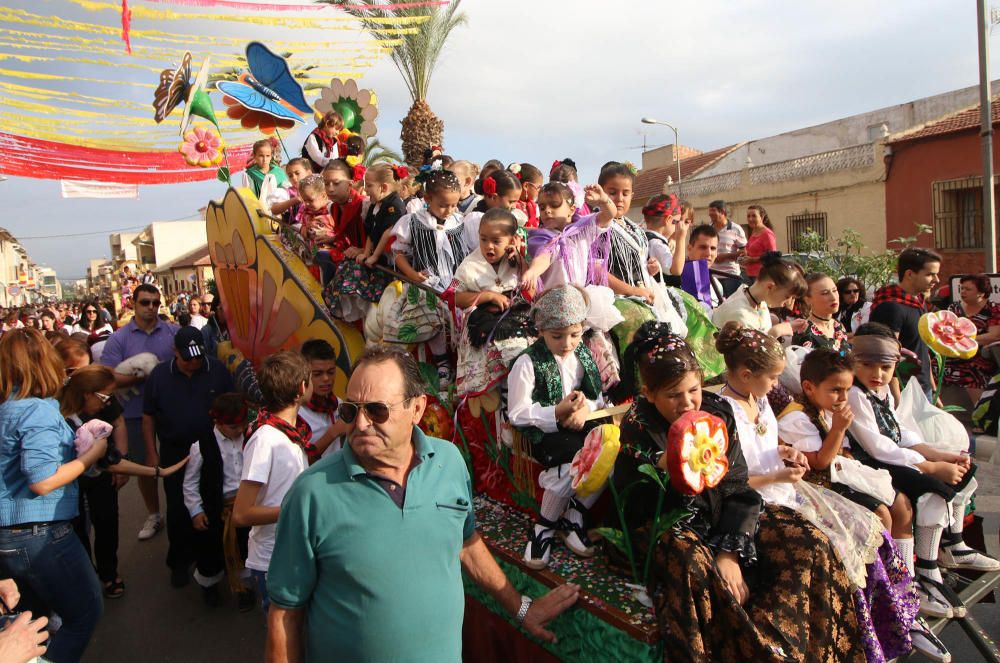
148, 302
376, 411
90, 310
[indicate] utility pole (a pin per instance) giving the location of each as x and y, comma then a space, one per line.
986, 132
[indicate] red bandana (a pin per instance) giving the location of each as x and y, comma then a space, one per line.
323, 404
894, 293
300, 434
325, 139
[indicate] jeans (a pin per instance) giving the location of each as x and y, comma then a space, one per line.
51, 562
260, 577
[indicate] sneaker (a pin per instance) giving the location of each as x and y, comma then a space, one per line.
246, 600
179, 578
539, 549
932, 604
153, 524
967, 560
210, 596
926, 643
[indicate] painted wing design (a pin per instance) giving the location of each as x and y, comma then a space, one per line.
250, 98
172, 89
271, 70
269, 299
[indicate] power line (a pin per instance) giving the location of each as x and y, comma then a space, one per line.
108, 230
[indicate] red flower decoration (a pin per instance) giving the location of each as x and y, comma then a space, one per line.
490, 186
251, 119
555, 164
359, 173
402, 172
436, 422
696, 452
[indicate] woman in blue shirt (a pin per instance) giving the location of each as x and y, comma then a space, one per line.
39, 495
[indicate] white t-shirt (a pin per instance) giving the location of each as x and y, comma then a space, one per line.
273, 460
198, 321
319, 422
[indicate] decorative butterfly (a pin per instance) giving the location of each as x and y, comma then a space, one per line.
173, 88
269, 299
268, 88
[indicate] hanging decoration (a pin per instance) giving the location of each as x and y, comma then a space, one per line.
269, 95
359, 108
173, 88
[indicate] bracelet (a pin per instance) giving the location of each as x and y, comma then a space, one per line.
523, 612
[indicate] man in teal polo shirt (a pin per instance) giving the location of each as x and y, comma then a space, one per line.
372, 540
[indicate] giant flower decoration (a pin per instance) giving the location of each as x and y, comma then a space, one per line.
436, 421
251, 119
949, 335
593, 463
696, 452
359, 108
202, 147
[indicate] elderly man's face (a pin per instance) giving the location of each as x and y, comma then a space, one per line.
382, 442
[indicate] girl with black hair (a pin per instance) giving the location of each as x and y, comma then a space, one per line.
724, 583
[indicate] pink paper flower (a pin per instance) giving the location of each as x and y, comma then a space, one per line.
202, 147
948, 334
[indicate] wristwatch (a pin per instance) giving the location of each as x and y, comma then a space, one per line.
523, 612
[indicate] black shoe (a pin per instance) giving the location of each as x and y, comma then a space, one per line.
179, 578
246, 600
211, 596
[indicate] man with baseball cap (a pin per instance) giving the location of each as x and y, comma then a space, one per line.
176, 406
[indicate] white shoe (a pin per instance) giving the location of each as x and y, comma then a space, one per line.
573, 532
931, 603
153, 524
925, 642
968, 560
539, 549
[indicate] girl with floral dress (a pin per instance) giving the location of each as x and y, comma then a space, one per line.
823, 330
736, 580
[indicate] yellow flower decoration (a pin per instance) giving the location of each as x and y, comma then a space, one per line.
593, 463
949, 335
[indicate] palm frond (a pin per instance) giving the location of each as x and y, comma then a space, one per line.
416, 55
376, 153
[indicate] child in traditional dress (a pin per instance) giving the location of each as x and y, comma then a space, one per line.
500, 190
320, 411
321, 146
316, 226
938, 483
817, 425
552, 388
531, 182
666, 234
729, 582
263, 176
778, 280
885, 599
349, 238
496, 325
564, 172
278, 450
358, 284
429, 248
286, 200
466, 172
211, 480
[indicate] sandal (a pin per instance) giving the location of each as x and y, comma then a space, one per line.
114, 589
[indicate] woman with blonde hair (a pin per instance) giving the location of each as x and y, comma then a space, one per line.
39, 494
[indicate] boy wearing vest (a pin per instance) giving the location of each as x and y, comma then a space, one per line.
211, 479
552, 388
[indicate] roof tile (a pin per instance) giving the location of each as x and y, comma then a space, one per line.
963, 120
649, 183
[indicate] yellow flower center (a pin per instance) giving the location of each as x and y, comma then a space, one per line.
705, 451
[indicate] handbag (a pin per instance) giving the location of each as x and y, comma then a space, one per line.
862, 478
414, 317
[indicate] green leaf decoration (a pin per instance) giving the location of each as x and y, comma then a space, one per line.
431, 299
668, 521
953, 408
413, 296
408, 333
652, 473
222, 174
430, 376
613, 536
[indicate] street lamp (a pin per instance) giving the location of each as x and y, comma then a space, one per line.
677, 148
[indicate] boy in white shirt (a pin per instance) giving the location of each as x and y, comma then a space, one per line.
278, 451
211, 479
320, 411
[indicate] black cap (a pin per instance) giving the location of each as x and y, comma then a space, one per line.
189, 343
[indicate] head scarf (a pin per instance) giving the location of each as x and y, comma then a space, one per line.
876, 348
560, 307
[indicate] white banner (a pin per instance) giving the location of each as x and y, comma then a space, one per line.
92, 189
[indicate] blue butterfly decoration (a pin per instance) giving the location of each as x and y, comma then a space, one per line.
268, 87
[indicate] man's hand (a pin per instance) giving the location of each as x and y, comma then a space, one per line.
9, 593
22, 639
200, 522
546, 608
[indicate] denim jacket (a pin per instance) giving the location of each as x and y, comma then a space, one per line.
34, 441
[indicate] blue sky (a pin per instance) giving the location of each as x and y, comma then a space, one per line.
536, 81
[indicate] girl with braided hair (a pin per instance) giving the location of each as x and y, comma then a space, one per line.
724, 582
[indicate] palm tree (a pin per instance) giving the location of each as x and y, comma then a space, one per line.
376, 153
415, 56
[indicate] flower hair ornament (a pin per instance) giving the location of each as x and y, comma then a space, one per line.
400, 172
358, 173
489, 186
666, 207
631, 167
555, 164
515, 170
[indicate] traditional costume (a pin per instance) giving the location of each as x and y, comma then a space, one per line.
320, 149
264, 185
